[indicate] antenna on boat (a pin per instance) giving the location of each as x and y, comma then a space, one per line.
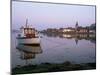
26, 23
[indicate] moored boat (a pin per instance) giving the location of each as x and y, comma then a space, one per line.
28, 35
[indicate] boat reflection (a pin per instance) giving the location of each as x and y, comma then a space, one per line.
28, 51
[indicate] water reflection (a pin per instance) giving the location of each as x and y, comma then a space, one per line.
76, 37
76, 41
28, 52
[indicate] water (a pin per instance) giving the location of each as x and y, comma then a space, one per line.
55, 49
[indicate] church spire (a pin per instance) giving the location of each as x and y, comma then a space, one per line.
76, 26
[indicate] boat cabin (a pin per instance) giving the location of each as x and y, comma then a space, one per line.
28, 32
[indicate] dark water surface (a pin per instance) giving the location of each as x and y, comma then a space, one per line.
54, 49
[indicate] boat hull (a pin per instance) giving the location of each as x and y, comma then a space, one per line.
28, 40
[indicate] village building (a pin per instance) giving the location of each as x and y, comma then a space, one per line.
79, 29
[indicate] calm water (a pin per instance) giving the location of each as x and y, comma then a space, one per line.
54, 49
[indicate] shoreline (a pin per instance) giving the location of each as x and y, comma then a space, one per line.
52, 67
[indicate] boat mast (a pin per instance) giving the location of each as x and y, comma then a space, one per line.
26, 23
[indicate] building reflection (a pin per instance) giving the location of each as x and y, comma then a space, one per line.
76, 41
78, 37
28, 52
75, 36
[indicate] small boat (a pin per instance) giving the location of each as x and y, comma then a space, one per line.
28, 35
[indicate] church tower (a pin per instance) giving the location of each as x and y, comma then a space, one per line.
76, 26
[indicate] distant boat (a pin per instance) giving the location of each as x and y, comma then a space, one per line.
28, 35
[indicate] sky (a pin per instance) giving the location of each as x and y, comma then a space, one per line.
43, 15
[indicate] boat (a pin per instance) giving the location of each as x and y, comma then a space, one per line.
28, 35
